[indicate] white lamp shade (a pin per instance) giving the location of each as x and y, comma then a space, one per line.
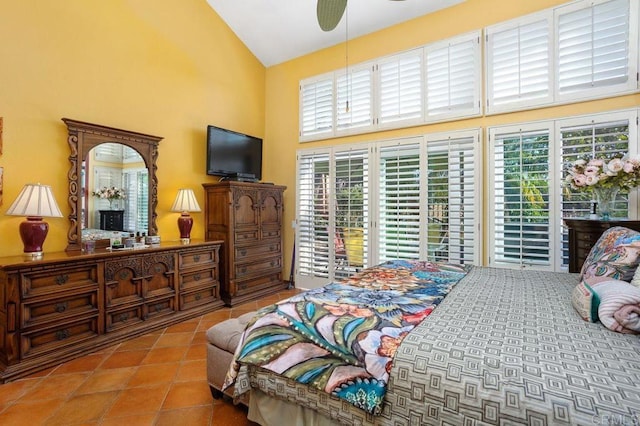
185, 202
35, 200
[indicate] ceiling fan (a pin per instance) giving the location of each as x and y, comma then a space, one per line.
330, 13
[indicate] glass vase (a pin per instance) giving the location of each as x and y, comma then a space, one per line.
606, 198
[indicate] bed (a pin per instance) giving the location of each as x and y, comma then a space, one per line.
503, 347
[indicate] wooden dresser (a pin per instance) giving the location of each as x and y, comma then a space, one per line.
68, 304
583, 234
248, 217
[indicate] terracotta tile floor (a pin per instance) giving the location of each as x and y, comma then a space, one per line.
155, 379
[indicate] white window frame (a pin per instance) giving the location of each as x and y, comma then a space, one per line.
630, 86
475, 109
351, 129
492, 133
491, 107
556, 98
554, 129
309, 280
316, 134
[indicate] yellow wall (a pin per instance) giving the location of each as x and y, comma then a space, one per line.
171, 67
166, 68
282, 85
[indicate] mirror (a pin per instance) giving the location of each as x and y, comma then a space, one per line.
83, 137
110, 166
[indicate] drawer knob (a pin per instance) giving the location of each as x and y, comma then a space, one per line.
196, 277
198, 296
122, 317
243, 269
196, 258
243, 252
273, 263
61, 307
61, 279
62, 334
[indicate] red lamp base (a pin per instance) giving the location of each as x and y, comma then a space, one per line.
33, 232
185, 222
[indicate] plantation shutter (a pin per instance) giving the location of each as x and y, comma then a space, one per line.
400, 83
351, 213
109, 152
399, 192
522, 223
314, 248
136, 185
593, 47
518, 63
316, 99
599, 140
453, 77
453, 199
143, 201
353, 100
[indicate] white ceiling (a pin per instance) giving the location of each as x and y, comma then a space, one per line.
279, 30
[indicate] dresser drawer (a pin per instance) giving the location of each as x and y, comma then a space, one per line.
257, 267
198, 258
59, 309
35, 283
159, 307
200, 297
259, 283
246, 236
124, 317
199, 279
271, 233
272, 248
57, 337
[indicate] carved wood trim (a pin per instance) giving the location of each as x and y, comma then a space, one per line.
82, 138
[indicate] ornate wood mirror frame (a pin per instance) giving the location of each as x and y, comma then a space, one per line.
82, 138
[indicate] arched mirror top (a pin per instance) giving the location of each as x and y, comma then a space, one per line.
85, 136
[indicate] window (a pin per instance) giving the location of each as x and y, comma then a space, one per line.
400, 211
518, 63
395, 91
354, 98
347, 220
583, 50
136, 216
452, 83
316, 106
529, 200
454, 197
332, 214
581, 138
593, 51
400, 88
314, 254
522, 216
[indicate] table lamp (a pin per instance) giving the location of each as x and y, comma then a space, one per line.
185, 203
35, 201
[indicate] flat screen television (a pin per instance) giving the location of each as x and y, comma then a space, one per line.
233, 155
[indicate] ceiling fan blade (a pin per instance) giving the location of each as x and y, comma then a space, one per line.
330, 12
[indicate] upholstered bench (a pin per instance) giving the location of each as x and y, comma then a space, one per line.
222, 340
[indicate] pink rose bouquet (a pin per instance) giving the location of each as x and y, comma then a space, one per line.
620, 171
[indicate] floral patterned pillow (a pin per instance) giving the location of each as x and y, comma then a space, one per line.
615, 255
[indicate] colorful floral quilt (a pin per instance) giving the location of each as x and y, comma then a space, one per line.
342, 338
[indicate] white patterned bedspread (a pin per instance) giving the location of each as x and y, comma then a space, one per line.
505, 347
